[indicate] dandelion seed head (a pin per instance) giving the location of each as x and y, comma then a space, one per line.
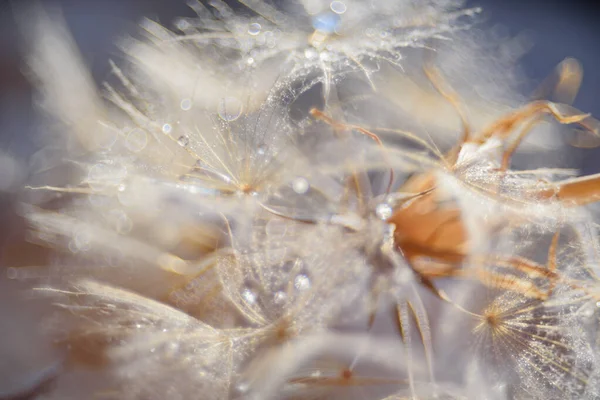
337, 36
227, 248
528, 345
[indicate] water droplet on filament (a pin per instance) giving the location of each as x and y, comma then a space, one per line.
230, 108
183, 141
338, 7
302, 282
383, 211
254, 29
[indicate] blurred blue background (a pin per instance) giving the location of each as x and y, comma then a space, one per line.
559, 29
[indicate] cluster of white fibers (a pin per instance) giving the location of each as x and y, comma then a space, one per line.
269, 202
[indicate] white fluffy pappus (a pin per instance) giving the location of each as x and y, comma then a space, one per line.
217, 236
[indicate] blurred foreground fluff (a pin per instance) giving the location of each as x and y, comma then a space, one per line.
312, 201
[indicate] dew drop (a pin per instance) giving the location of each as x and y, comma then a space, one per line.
288, 266
186, 104
326, 22
105, 137
249, 296
136, 140
270, 39
97, 173
280, 298
262, 149
242, 387
311, 53
183, 141
254, 29
102, 175
12, 273
383, 211
302, 282
230, 108
300, 185
588, 312
120, 221
171, 349
276, 228
338, 7
167, 128
182, 24
173, 346
325, 56
82, 240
